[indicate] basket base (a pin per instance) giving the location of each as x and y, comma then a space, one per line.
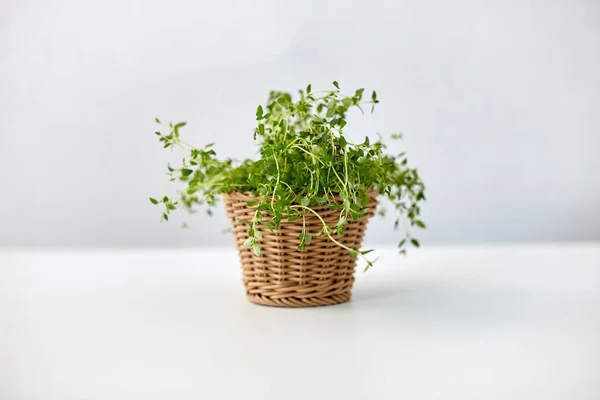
296, 302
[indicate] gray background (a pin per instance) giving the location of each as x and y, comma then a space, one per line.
499, 103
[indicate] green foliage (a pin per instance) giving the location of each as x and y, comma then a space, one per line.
305, 160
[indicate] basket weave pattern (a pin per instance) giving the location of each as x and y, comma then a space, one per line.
282, 276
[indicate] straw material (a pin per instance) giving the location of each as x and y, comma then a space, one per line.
284, 277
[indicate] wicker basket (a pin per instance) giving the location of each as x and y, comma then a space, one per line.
282, 276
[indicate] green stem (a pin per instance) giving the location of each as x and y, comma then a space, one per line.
276, 183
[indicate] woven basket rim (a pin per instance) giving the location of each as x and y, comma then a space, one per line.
246, 194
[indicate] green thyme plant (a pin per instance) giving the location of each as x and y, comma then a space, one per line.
306, 160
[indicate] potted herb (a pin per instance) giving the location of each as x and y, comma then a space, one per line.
299, 211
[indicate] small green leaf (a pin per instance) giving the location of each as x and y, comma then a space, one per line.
420, 224
157, 120
258, 235
308, 89
305, 238
330, 109
321, 200
165, 199
256, 248
186, 172
261, 129
346, 205
249, 242
415, 242
374, 95
336, 84
165, 216
305, 201
153, 201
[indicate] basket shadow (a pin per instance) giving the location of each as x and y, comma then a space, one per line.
450, 301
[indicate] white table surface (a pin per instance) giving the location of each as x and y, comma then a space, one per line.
495, 322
